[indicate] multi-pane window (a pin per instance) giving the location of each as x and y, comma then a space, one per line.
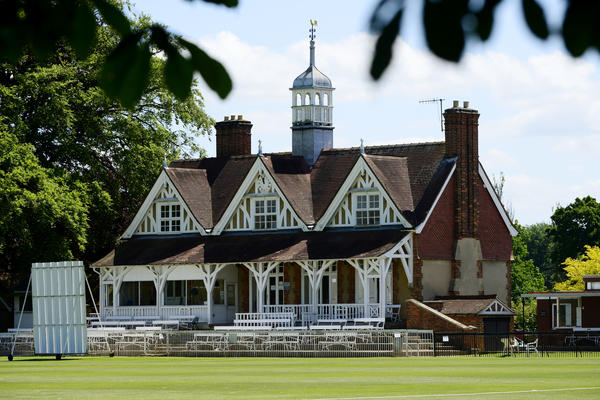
265, 214
367, 209
170, 218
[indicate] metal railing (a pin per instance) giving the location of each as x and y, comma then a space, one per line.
517, 344
320, 343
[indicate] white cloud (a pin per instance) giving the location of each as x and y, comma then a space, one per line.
538, 115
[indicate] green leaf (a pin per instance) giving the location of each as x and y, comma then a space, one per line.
443, 27
578, 26
536, 20
126, 69
113, 17
384, 46
485, 19
226, 3
212, 71
83, 32
178, 75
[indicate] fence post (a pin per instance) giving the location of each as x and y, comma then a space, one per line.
434, 349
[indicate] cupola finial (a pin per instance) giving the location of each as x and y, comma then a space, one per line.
362, 147
260, 153
165, 166
312, 31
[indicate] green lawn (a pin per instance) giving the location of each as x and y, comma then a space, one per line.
303, 378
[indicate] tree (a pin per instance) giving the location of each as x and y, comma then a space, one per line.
573, 227
58, 107
498, 184
539, 246
43, 26
576, 268
43, 212
525, 277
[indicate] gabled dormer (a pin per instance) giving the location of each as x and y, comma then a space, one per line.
363, 200
259, 205
164, 212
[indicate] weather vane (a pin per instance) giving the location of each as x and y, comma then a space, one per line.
312, 29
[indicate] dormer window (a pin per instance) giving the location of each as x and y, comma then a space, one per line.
265, 213
367, 208
170, 218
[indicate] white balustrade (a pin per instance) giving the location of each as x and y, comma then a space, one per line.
334, 311
150, 311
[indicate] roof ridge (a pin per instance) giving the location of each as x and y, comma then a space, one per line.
383, 146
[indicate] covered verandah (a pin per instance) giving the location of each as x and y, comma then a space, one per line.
213, 291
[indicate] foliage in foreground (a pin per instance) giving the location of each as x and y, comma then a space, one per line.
42, 26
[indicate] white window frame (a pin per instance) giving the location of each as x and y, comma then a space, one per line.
568, 313
355, 209
278, 276
254, 214
170, 218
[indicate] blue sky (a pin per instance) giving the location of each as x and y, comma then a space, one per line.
540, 112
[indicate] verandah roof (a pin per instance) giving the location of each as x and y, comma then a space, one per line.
253, 248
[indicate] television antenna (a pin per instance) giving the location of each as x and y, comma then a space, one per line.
441, 115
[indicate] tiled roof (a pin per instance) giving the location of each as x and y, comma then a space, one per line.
252, 248
462, 305
412, 175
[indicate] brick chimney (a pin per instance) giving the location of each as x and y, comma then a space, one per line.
461, 142
233, 136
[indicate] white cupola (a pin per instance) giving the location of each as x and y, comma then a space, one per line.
312, 106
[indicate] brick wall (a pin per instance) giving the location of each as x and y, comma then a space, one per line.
590, 315
243, 289
292, 273
345, 282
461, 129
496, 242
233, 137
420, 318
436, 241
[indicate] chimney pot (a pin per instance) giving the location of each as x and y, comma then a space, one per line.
455, 103
233, 136
466, 104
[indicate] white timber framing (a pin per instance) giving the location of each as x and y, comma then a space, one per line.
404, 252
209, 277
108, 276
490, 188
315, 270
260, 272
341, 210
160, 275
496, 308
259, 183
147, 219
370, 268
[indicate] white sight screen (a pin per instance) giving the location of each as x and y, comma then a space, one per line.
58, 294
